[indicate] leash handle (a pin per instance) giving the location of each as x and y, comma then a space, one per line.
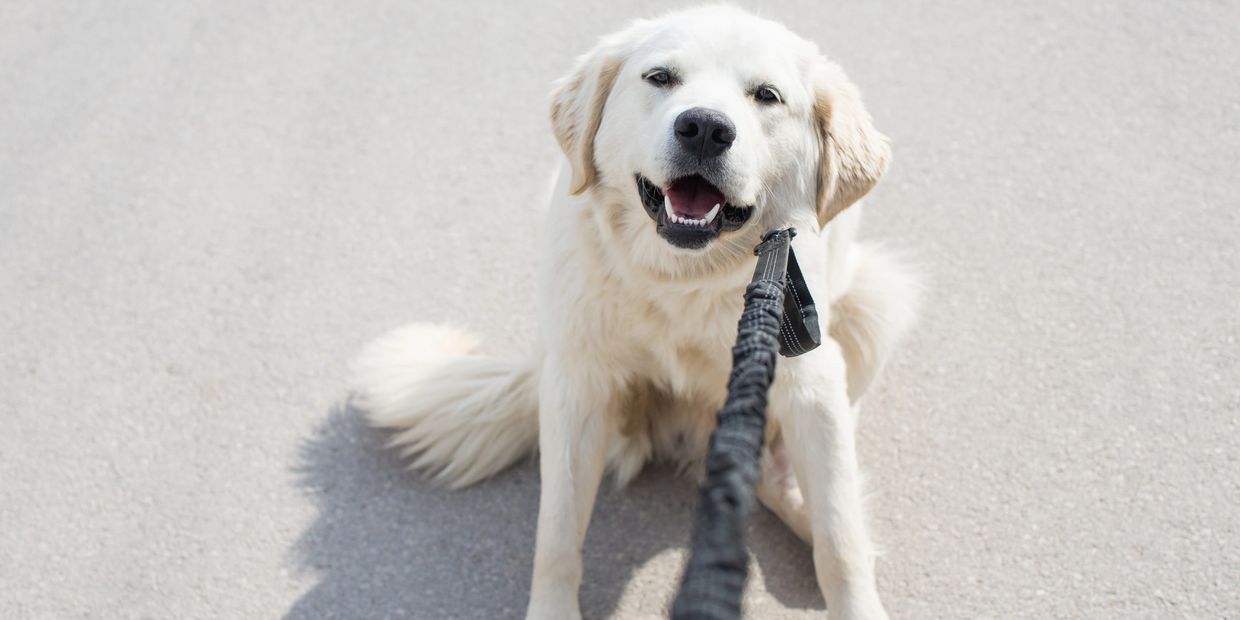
772, 253
799, 331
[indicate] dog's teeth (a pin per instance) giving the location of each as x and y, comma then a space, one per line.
710, 215
687, 221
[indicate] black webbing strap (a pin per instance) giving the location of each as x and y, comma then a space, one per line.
798, 329
718, 560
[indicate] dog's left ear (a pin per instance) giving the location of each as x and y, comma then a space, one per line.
854, 154
577, 103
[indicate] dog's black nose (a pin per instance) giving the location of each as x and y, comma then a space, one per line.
704, 133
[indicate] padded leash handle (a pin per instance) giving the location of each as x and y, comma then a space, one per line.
719, 562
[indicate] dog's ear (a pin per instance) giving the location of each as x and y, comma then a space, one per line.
854, 154
577, 103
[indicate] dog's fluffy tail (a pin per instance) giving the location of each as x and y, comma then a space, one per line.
461, 417
877, 309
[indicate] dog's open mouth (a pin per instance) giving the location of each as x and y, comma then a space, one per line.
690, 212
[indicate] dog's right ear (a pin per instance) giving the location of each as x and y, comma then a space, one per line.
854, 154
577, 103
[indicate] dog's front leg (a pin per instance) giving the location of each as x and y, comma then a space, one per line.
574, 432
810, 398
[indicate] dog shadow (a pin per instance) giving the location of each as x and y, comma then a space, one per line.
387, 544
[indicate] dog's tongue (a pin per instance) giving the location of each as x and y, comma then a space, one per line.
693, 197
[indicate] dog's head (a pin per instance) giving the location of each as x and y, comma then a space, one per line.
703, 123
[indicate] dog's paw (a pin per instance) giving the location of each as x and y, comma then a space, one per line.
552, 612
859, 606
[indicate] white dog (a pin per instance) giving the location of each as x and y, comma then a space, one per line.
687, 137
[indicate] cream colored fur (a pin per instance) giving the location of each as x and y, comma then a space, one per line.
636, 334
461, 417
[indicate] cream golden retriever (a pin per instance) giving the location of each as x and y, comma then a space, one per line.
686, 138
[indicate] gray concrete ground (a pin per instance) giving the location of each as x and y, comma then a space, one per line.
207, 207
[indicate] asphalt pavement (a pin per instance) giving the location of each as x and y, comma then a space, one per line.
207, 208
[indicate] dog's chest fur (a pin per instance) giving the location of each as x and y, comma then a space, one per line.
677, 339
681, 334
678, 329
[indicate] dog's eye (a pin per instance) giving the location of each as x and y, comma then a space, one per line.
661, 78
767, 94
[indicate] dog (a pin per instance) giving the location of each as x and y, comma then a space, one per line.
686, 138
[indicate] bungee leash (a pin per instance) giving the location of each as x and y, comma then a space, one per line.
779, 318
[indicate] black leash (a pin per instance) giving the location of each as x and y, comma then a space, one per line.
779, 316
